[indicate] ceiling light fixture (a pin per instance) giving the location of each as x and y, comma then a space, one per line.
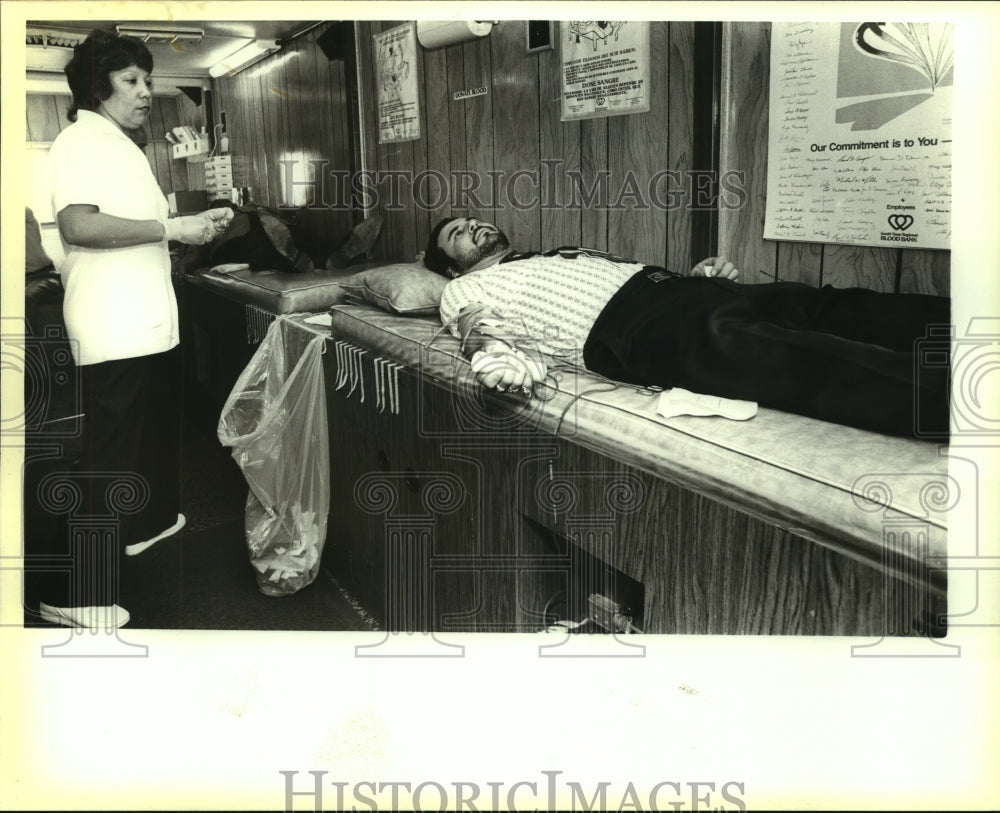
250, 54
170, 35
48, 38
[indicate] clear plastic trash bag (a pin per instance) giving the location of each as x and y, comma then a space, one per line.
274, 420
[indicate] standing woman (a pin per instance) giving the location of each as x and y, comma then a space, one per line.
121, 315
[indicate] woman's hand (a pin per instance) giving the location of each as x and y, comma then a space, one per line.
715, 267
221, 218
196, 230
501, 367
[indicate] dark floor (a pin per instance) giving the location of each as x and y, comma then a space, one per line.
201, 578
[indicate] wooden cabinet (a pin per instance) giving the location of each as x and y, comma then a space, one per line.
445, 517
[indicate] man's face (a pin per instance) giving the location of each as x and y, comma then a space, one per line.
468, 241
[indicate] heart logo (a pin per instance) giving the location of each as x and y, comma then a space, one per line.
901, 222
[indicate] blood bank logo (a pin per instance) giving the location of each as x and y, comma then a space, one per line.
900, 224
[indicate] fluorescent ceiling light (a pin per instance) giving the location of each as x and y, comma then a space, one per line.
55, 83
47, 58
249, 54
51, 38
48, 49
146, 33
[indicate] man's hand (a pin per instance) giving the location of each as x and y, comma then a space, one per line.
715, 267
501, 367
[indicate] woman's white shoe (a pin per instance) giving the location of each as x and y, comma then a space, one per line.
139, 547
104, 617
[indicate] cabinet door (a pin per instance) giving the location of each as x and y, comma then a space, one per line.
430, 487
702, 567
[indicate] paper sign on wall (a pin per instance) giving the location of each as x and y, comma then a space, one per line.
859, 144
605, 68
396, 79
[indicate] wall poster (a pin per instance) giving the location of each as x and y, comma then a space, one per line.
605, 68
396, 75
859, 144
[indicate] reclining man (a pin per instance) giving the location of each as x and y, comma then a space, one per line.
847, 356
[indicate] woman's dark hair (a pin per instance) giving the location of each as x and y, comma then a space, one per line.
434, 257
94, 59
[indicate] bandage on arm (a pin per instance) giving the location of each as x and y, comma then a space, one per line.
477, 325
488, 341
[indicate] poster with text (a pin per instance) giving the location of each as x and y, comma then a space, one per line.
859, 147
605, 68
396, 75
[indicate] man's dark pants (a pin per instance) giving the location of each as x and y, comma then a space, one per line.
848, 356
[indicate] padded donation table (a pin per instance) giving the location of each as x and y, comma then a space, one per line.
455, 509
781, 524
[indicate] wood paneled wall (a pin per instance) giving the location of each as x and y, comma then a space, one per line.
46, 118
292, 112
516, 127
294, 108
744, 125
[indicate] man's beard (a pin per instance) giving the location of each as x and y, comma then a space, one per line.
494, 243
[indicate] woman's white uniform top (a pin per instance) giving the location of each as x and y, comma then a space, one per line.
555, 297
119, 302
